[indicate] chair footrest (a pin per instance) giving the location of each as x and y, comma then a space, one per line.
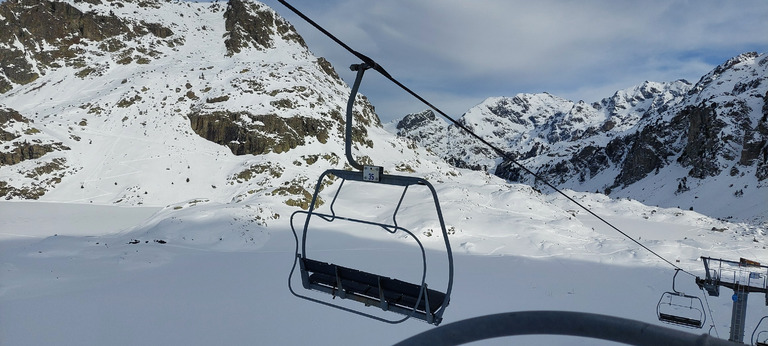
373, 286
680, 320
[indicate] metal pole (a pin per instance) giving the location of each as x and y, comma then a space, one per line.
360, 68
738, 315
558, 323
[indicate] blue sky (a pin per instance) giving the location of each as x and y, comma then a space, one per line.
456, 53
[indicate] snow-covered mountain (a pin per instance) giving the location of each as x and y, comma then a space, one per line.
153, 102
177, 104
670, 144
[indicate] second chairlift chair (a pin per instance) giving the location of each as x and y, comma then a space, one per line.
409, 299
681, 309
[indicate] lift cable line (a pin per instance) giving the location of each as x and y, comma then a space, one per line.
712, 325
370, 62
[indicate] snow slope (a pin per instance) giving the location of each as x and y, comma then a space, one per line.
226, 283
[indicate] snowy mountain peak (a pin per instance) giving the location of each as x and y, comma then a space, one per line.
733, 71
636, 142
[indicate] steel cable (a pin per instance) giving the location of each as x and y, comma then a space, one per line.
468, 131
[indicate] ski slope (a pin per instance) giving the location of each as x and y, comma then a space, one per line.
75, 273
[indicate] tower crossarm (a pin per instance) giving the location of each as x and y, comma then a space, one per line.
743, 277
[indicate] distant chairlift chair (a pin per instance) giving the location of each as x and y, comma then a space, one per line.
408, 299
680, 309
760, 334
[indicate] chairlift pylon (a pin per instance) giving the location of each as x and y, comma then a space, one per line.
680, 309
409, 299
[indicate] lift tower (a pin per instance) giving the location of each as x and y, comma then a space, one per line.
743, 277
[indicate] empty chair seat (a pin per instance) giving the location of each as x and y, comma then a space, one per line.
373, 286
680, 320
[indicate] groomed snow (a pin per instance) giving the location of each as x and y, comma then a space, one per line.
78, 278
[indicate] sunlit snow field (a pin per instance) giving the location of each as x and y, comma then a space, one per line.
80, 274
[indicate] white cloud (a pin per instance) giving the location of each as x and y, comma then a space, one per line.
468, 50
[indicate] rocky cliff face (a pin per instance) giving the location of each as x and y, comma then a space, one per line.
40, 35
21, 142
252, 25
679, 133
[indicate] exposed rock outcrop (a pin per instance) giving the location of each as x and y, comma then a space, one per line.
41, 35
251, 25
246, 133
22, 145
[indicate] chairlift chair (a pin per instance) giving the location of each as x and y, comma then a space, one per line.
760, 336
409, 299
680, 309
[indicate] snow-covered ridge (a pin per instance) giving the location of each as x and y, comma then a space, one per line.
668, 144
